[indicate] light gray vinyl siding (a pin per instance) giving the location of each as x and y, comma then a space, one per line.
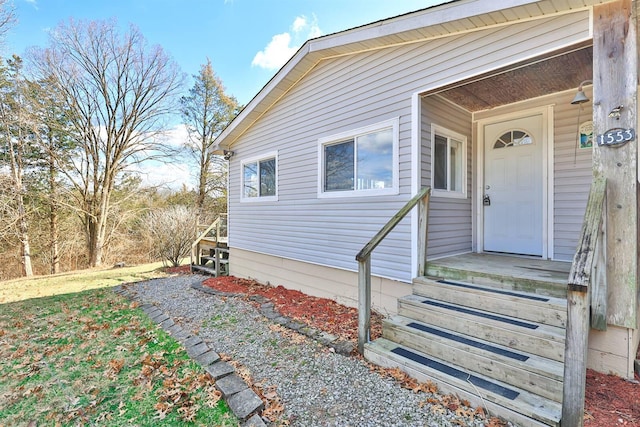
573, 173
349, 92
450, 219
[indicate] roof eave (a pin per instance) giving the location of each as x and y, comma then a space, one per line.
350, 41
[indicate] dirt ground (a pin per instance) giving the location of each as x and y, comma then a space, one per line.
609, 400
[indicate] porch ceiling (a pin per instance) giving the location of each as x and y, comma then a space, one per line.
533, 79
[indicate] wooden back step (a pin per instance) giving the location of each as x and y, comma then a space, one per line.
216, 264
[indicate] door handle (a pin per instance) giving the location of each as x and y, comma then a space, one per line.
486, 200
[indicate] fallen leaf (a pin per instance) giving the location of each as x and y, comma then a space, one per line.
464, 412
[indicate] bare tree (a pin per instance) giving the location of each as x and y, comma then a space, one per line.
206, 111
15, 152
118, 90
7, 17
170, 230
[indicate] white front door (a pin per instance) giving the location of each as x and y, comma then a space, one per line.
513, 183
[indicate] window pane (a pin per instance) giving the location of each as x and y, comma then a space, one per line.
250, 179
455, 163
268, 177
338, 166
439, 163
375, 160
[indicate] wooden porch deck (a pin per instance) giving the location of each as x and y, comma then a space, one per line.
512, 272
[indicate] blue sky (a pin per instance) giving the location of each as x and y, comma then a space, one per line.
232, 33
246, 40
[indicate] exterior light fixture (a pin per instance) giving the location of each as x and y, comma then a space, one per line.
580, 97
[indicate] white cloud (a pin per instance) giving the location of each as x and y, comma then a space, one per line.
172, 173
276, 54
169, 175
176, 136
299, 24
284, 46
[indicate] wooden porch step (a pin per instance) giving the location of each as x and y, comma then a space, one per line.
504, 400
508, 272
532, 373
539, 339
536, 308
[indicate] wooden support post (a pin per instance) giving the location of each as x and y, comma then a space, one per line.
423, 229
364, 302
216, 261
575, 356
615, 83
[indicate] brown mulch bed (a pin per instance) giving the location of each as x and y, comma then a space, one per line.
320, 313
181, 269
609, 400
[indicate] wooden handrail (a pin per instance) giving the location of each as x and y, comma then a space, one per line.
195, 252
586, 293
364, 260
581, 271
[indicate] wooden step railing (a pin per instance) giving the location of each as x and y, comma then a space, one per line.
216, 232
586, 301
364, 259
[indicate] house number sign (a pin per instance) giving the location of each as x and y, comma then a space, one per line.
616, 136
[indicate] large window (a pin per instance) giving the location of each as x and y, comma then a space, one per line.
448, 162
361, 162
259, 178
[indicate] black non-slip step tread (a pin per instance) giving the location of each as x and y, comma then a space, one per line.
466, 343
511, 397
501, 351
532, 297
497, 290
459, 374
431, 303
480, 313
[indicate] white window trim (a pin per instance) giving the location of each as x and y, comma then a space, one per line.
254, 159
394, 124
435, 129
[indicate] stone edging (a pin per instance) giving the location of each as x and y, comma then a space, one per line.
242, 400
267, 309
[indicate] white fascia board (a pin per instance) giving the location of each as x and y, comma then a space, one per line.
219, 142
439, 14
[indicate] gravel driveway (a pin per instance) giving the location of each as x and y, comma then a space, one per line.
317, 386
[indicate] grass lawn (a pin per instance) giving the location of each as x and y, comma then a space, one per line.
65, 283
93, 358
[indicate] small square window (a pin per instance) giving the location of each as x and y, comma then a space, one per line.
259, 178
448, 162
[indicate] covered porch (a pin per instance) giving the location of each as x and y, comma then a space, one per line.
499, 298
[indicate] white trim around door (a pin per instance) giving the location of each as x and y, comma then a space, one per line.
546, 174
